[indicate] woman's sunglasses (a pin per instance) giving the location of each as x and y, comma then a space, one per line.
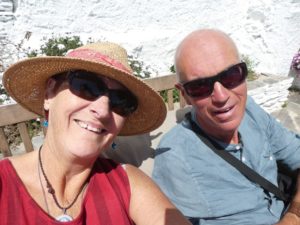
229, 78
90, 86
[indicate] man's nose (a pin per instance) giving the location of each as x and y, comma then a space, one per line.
220, 93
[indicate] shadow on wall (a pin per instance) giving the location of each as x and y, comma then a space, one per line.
132, 149
139, 148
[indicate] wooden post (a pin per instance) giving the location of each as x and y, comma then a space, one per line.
25, 136
170, 99
4, 147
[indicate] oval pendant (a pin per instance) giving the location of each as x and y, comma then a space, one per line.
64, 218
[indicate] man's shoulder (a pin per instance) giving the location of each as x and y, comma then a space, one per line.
181, 129
253, 107
255, 111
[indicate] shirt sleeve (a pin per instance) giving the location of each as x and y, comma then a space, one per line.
171, 172
284, 144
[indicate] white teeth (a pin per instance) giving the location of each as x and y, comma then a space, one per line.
88, 127
93, 129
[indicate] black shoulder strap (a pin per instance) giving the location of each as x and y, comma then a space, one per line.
243, 168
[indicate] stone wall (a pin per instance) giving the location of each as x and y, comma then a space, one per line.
271, 93
266, 30
7, 48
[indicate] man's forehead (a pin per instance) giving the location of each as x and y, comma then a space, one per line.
196, 65
205, 53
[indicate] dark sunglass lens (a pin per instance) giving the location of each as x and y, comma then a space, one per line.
86, 85
234, 76
90, 86
198, 88
122, 102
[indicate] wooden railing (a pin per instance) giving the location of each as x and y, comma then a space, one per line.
166, 83
16, 114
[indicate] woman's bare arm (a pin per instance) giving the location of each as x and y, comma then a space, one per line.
148, 205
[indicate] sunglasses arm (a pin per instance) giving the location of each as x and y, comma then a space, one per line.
179, 87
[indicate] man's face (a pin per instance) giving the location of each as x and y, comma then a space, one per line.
221, 112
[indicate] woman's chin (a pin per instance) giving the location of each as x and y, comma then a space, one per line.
85, 150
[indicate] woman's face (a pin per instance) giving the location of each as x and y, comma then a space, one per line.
79, 126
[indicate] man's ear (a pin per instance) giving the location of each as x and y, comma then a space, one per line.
182, 92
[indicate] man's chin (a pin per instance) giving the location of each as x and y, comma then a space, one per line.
227, 127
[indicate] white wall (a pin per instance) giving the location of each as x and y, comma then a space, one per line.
266, 30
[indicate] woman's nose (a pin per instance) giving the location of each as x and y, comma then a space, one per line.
101, 107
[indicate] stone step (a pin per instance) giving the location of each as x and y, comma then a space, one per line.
294, 107
270, 92
289, 116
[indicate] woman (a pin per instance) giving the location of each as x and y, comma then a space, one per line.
88, 97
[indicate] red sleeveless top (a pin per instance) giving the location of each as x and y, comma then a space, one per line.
106, 201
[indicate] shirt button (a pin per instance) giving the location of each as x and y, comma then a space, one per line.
238, 147
243, 159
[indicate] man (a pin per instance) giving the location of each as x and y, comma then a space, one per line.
206, 188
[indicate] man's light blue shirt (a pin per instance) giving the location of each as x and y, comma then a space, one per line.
203, 185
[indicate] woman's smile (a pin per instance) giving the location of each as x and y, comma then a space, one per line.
90, 127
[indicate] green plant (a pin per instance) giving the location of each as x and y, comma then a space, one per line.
57, 46
252, 75
164, 95
61, 45
176, 93
172, 69
3, 95
138, 67
32, 53
284, 105
34, 127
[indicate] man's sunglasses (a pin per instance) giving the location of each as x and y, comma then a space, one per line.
229, 78
90, 86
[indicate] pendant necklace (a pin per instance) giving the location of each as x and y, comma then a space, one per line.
64, 217
42, 186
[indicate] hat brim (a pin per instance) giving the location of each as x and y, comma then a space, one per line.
25, 82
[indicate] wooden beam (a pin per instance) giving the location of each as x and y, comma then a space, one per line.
162, 83
14, 113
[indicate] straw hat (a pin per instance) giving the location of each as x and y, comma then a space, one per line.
25, 81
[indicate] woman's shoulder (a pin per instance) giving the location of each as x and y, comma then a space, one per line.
106, 165
24, 163
5, 166
146, 196
108, 169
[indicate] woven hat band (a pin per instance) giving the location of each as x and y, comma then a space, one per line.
90, 54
